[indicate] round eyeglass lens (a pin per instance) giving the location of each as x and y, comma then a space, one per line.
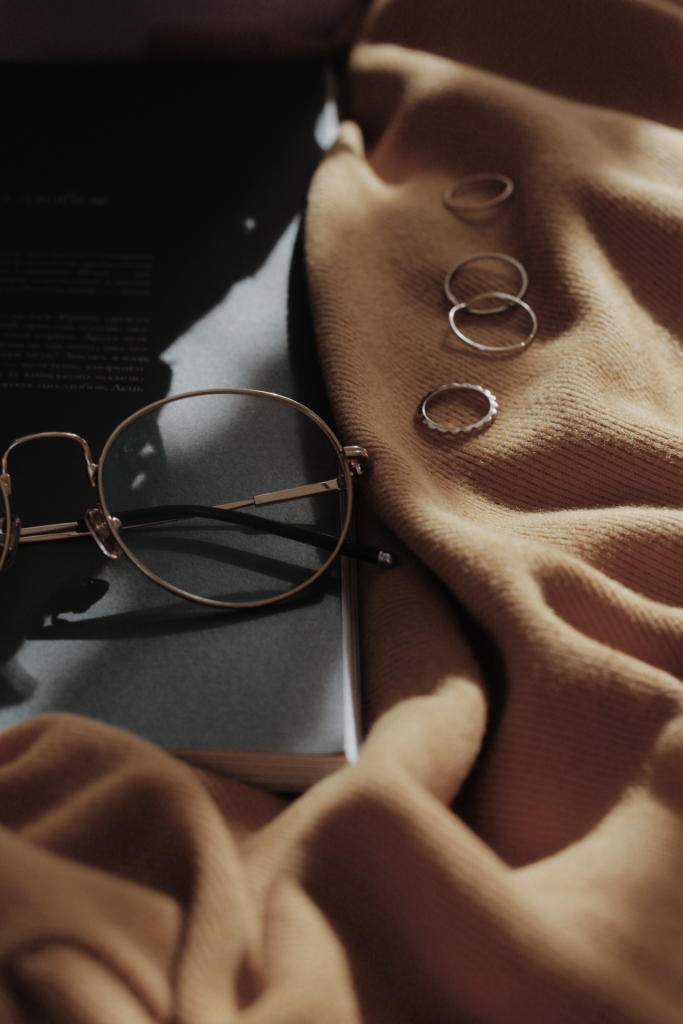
233, 498
5, 521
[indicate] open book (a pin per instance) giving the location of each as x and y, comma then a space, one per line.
151, 245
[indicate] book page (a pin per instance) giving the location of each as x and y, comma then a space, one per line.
159, 251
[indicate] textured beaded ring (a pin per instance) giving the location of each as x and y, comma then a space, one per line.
441, 427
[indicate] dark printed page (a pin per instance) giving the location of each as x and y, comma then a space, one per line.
150, 245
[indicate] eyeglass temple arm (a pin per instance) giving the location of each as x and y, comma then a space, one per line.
356, 458
62, 531
170, 513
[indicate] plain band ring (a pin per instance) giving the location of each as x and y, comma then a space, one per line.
474, 179
494, 348
442, 429
485, 256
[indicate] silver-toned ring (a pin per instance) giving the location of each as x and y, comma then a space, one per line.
485, 256
440, 427
494, 348
474, 179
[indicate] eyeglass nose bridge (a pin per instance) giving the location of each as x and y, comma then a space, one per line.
90, 464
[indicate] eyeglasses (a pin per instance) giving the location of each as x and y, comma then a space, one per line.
174, 477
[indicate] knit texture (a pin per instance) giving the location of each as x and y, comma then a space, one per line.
508, 849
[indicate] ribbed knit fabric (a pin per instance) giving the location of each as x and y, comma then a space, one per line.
530, 642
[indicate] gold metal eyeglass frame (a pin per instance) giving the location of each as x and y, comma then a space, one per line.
106, 529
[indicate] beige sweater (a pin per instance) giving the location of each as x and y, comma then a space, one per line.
531, 640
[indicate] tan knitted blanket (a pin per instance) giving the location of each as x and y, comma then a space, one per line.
531, 640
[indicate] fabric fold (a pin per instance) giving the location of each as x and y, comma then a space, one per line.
507, 849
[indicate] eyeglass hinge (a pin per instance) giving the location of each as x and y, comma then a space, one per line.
357, 458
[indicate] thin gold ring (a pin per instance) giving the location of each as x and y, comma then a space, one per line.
486, 256
473, 179
512, 299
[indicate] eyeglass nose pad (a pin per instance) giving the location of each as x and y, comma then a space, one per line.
101, 530
13, 540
